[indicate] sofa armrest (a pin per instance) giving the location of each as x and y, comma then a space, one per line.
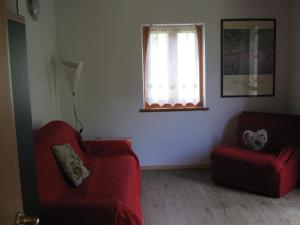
106, 147
88, 211
75, 203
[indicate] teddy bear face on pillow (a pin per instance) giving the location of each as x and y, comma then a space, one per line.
255, 140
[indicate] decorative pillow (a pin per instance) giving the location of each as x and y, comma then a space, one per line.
255, 141
70, 163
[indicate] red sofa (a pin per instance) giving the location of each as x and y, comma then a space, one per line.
109, 196
273, 172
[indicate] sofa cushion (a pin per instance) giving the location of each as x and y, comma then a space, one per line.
272, 174
70, 163
231, 154
112, 178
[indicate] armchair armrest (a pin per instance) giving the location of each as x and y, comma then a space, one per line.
286, 154
106, 147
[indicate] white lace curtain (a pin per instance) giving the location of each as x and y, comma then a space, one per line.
172, 66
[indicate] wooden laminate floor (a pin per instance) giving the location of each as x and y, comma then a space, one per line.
189, 197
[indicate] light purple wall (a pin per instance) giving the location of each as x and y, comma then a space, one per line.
41, 46
295, 58
106, 36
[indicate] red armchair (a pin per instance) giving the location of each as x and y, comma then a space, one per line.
273, 172
109, 196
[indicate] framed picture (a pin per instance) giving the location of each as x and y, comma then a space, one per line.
248, 57
12, 6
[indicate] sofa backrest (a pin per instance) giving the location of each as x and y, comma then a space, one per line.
50, 179
283, 129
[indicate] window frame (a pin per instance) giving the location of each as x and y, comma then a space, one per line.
177, 107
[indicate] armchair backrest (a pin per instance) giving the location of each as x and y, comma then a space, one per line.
50, 179
283, 129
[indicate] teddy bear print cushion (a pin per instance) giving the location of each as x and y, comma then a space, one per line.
70, 163
255, 140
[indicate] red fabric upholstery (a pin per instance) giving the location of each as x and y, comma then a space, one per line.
282, 129
109, 196
274, 172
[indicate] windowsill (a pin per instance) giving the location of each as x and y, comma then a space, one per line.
175, 110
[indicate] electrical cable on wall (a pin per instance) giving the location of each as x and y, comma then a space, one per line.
77, 120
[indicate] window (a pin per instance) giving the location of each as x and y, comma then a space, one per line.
173, 67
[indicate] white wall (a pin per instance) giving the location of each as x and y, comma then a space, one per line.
41, 45
106, 36
295, 58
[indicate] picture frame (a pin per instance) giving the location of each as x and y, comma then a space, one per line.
12, 6
248, 54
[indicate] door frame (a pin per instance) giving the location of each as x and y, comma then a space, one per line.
10, 188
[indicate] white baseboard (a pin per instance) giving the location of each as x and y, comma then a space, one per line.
176, 167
